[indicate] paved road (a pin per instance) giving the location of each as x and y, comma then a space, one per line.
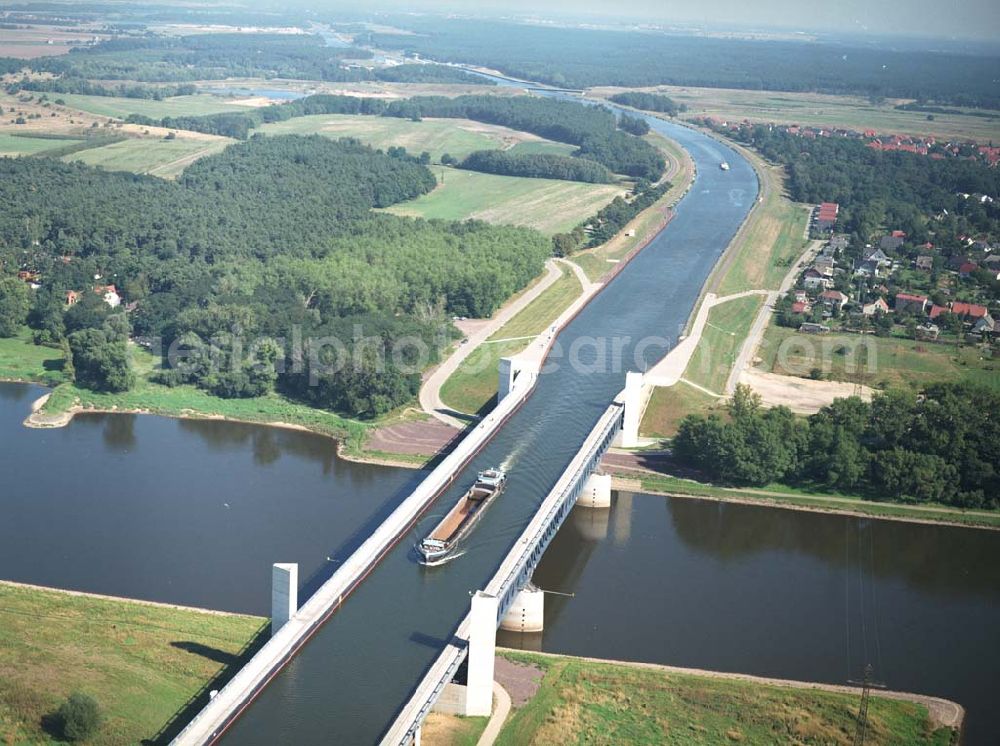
430, 391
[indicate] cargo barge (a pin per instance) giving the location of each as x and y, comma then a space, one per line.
461, 519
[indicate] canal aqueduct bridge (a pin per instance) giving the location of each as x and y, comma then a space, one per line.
476, 634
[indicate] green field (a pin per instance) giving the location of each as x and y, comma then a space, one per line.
474, 384
459, 137
17, 145
543, 146
159, 157
22, 360
580, 701
142, 663
727, 328
892, 361
549, 205
119, 108
669, 405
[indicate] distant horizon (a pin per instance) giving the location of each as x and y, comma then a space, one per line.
975, 21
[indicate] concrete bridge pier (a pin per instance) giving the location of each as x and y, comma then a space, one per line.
527, 613
512, 374
482, 650
596, 492
629, 435
284, 594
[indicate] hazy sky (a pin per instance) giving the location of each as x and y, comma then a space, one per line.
956, 18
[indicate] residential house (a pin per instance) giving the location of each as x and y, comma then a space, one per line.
813, 279
825, 265
879, 257
956, 262
878, 306
839, 242
927, 330
893, 242
802, 307
925, 263
72, 297
912, 303
826, 216
800, 296
810, 328
110, 295
868, 269
969, 311
985, 325
833, 299
967, 269
937, 310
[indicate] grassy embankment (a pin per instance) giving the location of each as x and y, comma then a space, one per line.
822, 110
894, 361
141, 662
759, 258
474, 384
581, 701
452, 730
21, 360
780, 495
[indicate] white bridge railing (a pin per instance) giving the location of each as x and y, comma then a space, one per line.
514, 572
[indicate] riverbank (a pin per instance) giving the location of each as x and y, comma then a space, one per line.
571, 699
632, 479
143, 662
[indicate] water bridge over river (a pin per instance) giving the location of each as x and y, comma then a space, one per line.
367, 655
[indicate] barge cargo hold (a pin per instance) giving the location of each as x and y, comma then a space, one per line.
460, 520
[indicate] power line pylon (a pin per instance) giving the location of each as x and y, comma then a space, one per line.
861, 729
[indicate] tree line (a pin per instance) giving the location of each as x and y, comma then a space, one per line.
583, 58
880, 190
154, 58
536, 166
942, 445
272, 238
594, 129
609, 220
649, 102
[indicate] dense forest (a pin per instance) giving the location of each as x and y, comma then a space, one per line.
581, 58
649, 102
255, 243
940, 446
880, 191
536, 166
152, 58
593, 129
